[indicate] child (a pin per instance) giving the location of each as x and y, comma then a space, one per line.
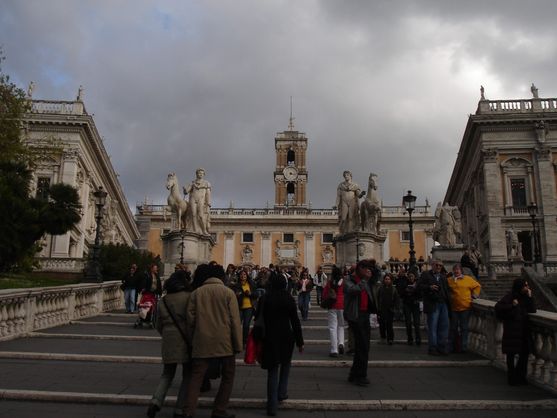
388, 300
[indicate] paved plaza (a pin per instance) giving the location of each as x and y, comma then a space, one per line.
104, 367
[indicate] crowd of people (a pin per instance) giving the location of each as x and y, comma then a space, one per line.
205, 320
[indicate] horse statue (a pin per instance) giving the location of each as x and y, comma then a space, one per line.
177, 204
370, 209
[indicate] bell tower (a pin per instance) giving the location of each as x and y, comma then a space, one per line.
291, 174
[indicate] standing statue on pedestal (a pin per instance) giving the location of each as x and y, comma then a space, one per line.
514, 247
370, 209
448, 227
177, 204
199, 216
348, 206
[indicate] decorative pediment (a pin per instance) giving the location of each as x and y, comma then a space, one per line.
516, 162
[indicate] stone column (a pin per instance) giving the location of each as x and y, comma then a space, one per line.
309, 251
61, 243
266, 249
386, 249
494, 205
547, 203
228, 248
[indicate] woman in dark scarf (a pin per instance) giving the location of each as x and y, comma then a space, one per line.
282, 330
513, 310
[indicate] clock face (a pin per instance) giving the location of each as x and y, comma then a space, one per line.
290, 173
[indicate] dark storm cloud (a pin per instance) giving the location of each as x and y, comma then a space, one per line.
377, 86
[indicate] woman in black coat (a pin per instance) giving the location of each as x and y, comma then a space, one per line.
282, 330
513, 309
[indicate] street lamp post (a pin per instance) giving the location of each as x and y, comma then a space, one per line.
533, 211
93, 273
410, 204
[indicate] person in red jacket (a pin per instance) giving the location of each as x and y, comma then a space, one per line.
335, 318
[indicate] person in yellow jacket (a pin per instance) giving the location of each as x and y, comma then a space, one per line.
463, 289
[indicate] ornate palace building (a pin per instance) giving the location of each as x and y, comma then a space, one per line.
71, 150
290, 233
507, 163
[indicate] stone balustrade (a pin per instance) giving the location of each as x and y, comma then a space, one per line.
26, 310
517, 106
61, 107
70, 265
486, 334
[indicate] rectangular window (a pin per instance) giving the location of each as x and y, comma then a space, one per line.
288, 238
247, 237
405, 236
43, 188
518, 192
214, 236
327, 238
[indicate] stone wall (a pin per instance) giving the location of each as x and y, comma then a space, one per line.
26, 310
486, 333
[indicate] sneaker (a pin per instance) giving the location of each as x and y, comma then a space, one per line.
341, 349
333, 355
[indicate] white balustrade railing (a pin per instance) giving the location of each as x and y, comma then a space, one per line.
71, 265
26, 310
486, 334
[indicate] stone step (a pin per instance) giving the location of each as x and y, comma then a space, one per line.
292, 404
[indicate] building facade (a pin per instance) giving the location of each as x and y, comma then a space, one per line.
507, 161
291, 233
70, 150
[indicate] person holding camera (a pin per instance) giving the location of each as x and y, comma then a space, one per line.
436, 297
246, 295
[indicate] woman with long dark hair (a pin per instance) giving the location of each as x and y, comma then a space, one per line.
282, 331
513, 309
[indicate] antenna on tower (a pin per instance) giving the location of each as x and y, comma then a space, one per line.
291, 120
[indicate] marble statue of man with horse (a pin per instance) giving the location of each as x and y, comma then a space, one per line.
192, 215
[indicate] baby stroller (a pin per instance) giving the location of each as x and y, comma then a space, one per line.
147, 310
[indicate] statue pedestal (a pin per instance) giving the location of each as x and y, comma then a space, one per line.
359, 245
517, 264
197, 249
448, 254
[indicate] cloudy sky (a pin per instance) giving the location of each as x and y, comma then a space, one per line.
377, 86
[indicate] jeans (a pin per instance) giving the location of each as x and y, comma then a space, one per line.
412, 319
129, 299
459, 325
277, 385
438, 328
335, 321
303, 304
168, 372
319, 290
386, 325
362, 335
198, 368
245, 317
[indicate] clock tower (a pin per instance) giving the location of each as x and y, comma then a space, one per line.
291, 174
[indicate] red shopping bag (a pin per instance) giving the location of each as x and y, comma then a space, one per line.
254, 350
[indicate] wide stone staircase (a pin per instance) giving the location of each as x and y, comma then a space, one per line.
104, 367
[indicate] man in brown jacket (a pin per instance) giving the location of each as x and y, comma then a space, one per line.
215, 331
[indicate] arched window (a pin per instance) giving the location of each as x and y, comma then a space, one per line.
290, 193
290, 157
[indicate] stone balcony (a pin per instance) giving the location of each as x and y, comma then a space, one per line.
516, 106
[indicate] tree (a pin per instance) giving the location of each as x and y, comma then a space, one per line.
24, 219
116, 260
13, 105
